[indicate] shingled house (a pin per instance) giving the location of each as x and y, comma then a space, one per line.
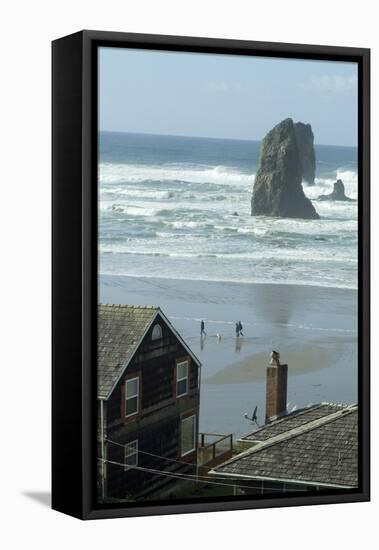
148, 404
310, 449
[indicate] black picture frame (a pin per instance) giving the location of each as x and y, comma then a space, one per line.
74, 269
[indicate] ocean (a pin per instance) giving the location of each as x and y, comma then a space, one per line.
179, 208
170, 236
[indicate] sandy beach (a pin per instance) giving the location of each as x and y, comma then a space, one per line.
313, 328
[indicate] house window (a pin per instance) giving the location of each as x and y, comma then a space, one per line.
188, 435
157, 332
181, 378
131, 396
131, 454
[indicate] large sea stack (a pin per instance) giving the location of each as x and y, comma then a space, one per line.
277, 186
305, 145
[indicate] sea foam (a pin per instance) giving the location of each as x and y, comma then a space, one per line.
196, 219
110, 173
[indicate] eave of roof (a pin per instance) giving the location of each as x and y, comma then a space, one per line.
281, 480
178, 336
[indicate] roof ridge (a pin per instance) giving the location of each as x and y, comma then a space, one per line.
281, 419
295, 432
292, 414
130, 306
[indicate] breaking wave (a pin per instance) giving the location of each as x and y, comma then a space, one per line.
196, 219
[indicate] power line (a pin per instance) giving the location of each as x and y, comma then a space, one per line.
177, 475
187, 477
172, 460
184, 463
158, 456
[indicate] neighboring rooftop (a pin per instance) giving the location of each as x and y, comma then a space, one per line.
315, 446
120, 330
292, 420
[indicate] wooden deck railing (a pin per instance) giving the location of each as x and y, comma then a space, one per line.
214, 448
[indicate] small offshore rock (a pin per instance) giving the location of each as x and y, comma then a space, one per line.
338, 193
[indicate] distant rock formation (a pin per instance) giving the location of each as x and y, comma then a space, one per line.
338, 193
305, 145
277, 186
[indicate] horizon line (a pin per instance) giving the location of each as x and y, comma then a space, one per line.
210, 137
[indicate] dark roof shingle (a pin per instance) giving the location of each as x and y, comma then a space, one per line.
323, 451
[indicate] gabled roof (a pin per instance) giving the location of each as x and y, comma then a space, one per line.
121, 329
322, 451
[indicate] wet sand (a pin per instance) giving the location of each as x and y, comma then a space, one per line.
313, 328
253, 368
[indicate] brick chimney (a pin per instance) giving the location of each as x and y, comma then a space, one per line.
276, 388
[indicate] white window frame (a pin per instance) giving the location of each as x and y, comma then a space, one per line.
194, 434
157, 329
186, 362
135, 453
131, 396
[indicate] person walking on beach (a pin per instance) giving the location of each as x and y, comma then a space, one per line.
240, 328
202, 327
237, 329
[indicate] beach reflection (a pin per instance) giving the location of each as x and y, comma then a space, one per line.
238, 345
202, 338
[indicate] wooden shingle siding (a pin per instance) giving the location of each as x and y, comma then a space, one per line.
160, 438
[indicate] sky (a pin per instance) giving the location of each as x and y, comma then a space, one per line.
223, 96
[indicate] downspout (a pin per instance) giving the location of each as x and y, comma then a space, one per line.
198, 422
102, 451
